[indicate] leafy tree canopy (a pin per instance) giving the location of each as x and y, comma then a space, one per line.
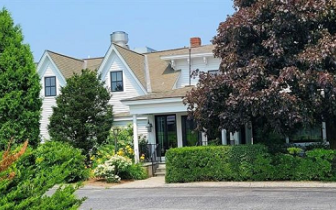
20, 104
83, 116
278, 67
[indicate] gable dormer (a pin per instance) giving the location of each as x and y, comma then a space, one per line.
123, 72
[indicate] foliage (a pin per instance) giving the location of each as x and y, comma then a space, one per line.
63, 198
318, 145
294, 151
57, 153
8, 159
126, 152
111, 169
144, 150
278, 67
124, 137
104, 152
27, 190
125, 141
211, 163
133, 172
119, 167
20, 87
250, 162
83, 116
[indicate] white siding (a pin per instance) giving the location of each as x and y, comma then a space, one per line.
131, 88
142, 123
48, 102
197, 63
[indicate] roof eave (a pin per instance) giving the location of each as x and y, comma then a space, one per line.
186, 56
130, 102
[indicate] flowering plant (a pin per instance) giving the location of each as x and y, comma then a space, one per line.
126, 152
111, 168
142, 158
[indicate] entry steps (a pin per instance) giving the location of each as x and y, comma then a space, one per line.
161, 170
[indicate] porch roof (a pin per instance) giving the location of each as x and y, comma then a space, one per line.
176, 93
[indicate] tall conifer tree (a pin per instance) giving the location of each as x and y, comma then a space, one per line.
20, 104
83, 116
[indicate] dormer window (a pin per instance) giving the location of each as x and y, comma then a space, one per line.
50, 86
117, 84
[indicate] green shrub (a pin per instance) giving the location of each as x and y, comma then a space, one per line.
59, 153
124, 137
294, 150
104, 152
212, 163
246, 162
133, 172
62, 198
317, 145
31, 182
111, 169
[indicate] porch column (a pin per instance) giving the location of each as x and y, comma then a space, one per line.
248, 134
232, 141
135, 139
324, 132
204, 139
224, 139
236, 138
287, 140
252, 140
179, 130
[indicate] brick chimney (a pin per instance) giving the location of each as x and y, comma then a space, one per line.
195, 42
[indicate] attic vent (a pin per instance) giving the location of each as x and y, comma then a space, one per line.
120, 38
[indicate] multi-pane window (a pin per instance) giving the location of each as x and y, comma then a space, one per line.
50, 86
117, 84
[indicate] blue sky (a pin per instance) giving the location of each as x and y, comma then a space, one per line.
81, 28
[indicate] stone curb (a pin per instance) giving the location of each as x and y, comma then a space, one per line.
159, 183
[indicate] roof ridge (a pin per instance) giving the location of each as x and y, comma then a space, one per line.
128, 49
82, 60
181, 48
100, 57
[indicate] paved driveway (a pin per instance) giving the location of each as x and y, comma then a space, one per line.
210, 198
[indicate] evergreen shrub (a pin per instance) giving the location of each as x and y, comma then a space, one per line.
246, 163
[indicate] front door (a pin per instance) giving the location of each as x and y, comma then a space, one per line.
166, 134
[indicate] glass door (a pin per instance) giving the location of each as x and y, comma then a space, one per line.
166, 134
189, 135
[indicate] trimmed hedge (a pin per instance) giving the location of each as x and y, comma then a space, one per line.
246, 162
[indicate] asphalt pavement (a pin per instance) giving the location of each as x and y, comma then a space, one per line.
204, 198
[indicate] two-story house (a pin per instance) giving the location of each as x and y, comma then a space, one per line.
147, 88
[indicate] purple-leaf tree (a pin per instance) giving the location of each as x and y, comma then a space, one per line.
278, 67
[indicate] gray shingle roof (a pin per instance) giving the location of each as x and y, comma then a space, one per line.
135, 61
93, 63
162, 76
176, 93
69, 65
